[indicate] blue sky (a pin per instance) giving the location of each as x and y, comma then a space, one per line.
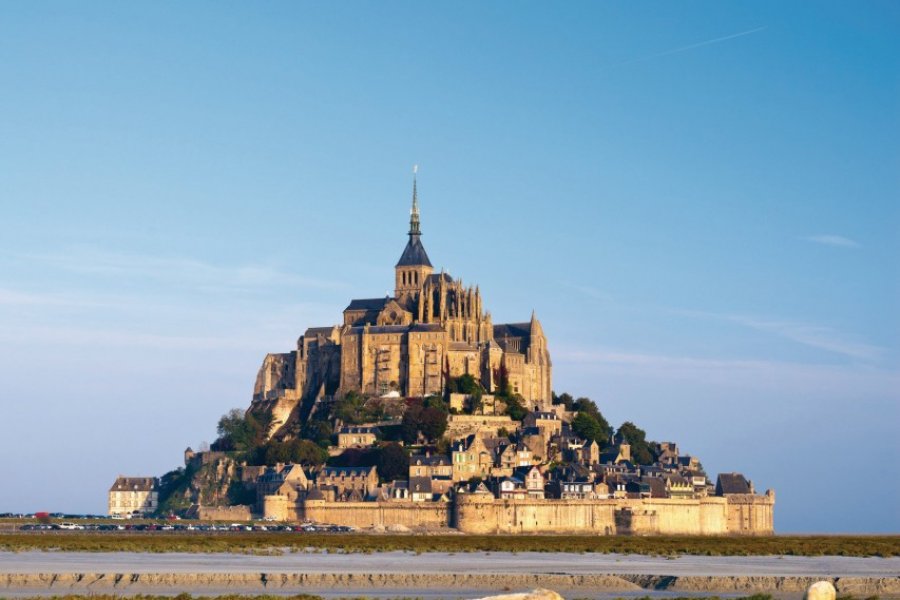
700, 200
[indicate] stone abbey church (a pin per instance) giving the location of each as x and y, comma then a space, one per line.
407, 345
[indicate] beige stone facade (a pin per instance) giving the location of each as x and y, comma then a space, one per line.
482, 513
133, 496
432, 328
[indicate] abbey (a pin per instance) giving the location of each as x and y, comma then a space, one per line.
409, 344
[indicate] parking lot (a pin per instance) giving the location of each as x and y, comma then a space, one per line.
62, 523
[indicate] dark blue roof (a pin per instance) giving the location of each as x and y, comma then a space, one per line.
414, 254
512, 330
367, 304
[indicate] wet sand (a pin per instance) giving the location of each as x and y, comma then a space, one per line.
438, 575
438, 562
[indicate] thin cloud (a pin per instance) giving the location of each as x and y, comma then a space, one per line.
672, 51
807, 334
192, 272
740, 373
590, 291
832, 240
814, 336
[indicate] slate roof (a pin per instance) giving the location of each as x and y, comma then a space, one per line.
381, 329
326, 331
134, 484
414, 254
436, 277
512, 330
359, 429
425, 327
420, 484
731, 483
368, 303
348, 471
435, 460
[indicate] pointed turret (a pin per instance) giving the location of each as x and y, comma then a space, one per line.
536, 328
413, 268
414, 254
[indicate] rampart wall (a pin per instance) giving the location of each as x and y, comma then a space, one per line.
372, 514
484, 514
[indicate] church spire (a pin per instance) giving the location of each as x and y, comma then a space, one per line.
414, 254
414, 213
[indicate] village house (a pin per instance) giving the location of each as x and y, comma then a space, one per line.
548, 422
133, 496
511, 456
430, 465
282, 480
357, 436
511, 488
420, 489
474, 456
533, 480
732, 483
346, 480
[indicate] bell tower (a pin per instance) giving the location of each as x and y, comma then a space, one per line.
413, 267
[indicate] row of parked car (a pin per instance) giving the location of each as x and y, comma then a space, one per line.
306, 527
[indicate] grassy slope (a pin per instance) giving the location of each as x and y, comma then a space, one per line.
264, 542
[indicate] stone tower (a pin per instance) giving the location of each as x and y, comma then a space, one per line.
413, 268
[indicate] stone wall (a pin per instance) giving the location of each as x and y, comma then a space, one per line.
224, 513
483, 514
665, 516
749, 514
372, 514
671, 516
460, 426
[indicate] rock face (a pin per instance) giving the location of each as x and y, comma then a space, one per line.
821, 590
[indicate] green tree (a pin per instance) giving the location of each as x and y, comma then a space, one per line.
238, 493
351, 408
465, 384
586, 427
589, 407
409, 425
433, 423
307, 453
319, 432
241, 432
515, 407
641, 450
436, 402
301, 452
355, 457
565, 399
429, 419
393, 462
172, 490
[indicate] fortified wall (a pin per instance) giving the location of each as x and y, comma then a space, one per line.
361, 514
742, 514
